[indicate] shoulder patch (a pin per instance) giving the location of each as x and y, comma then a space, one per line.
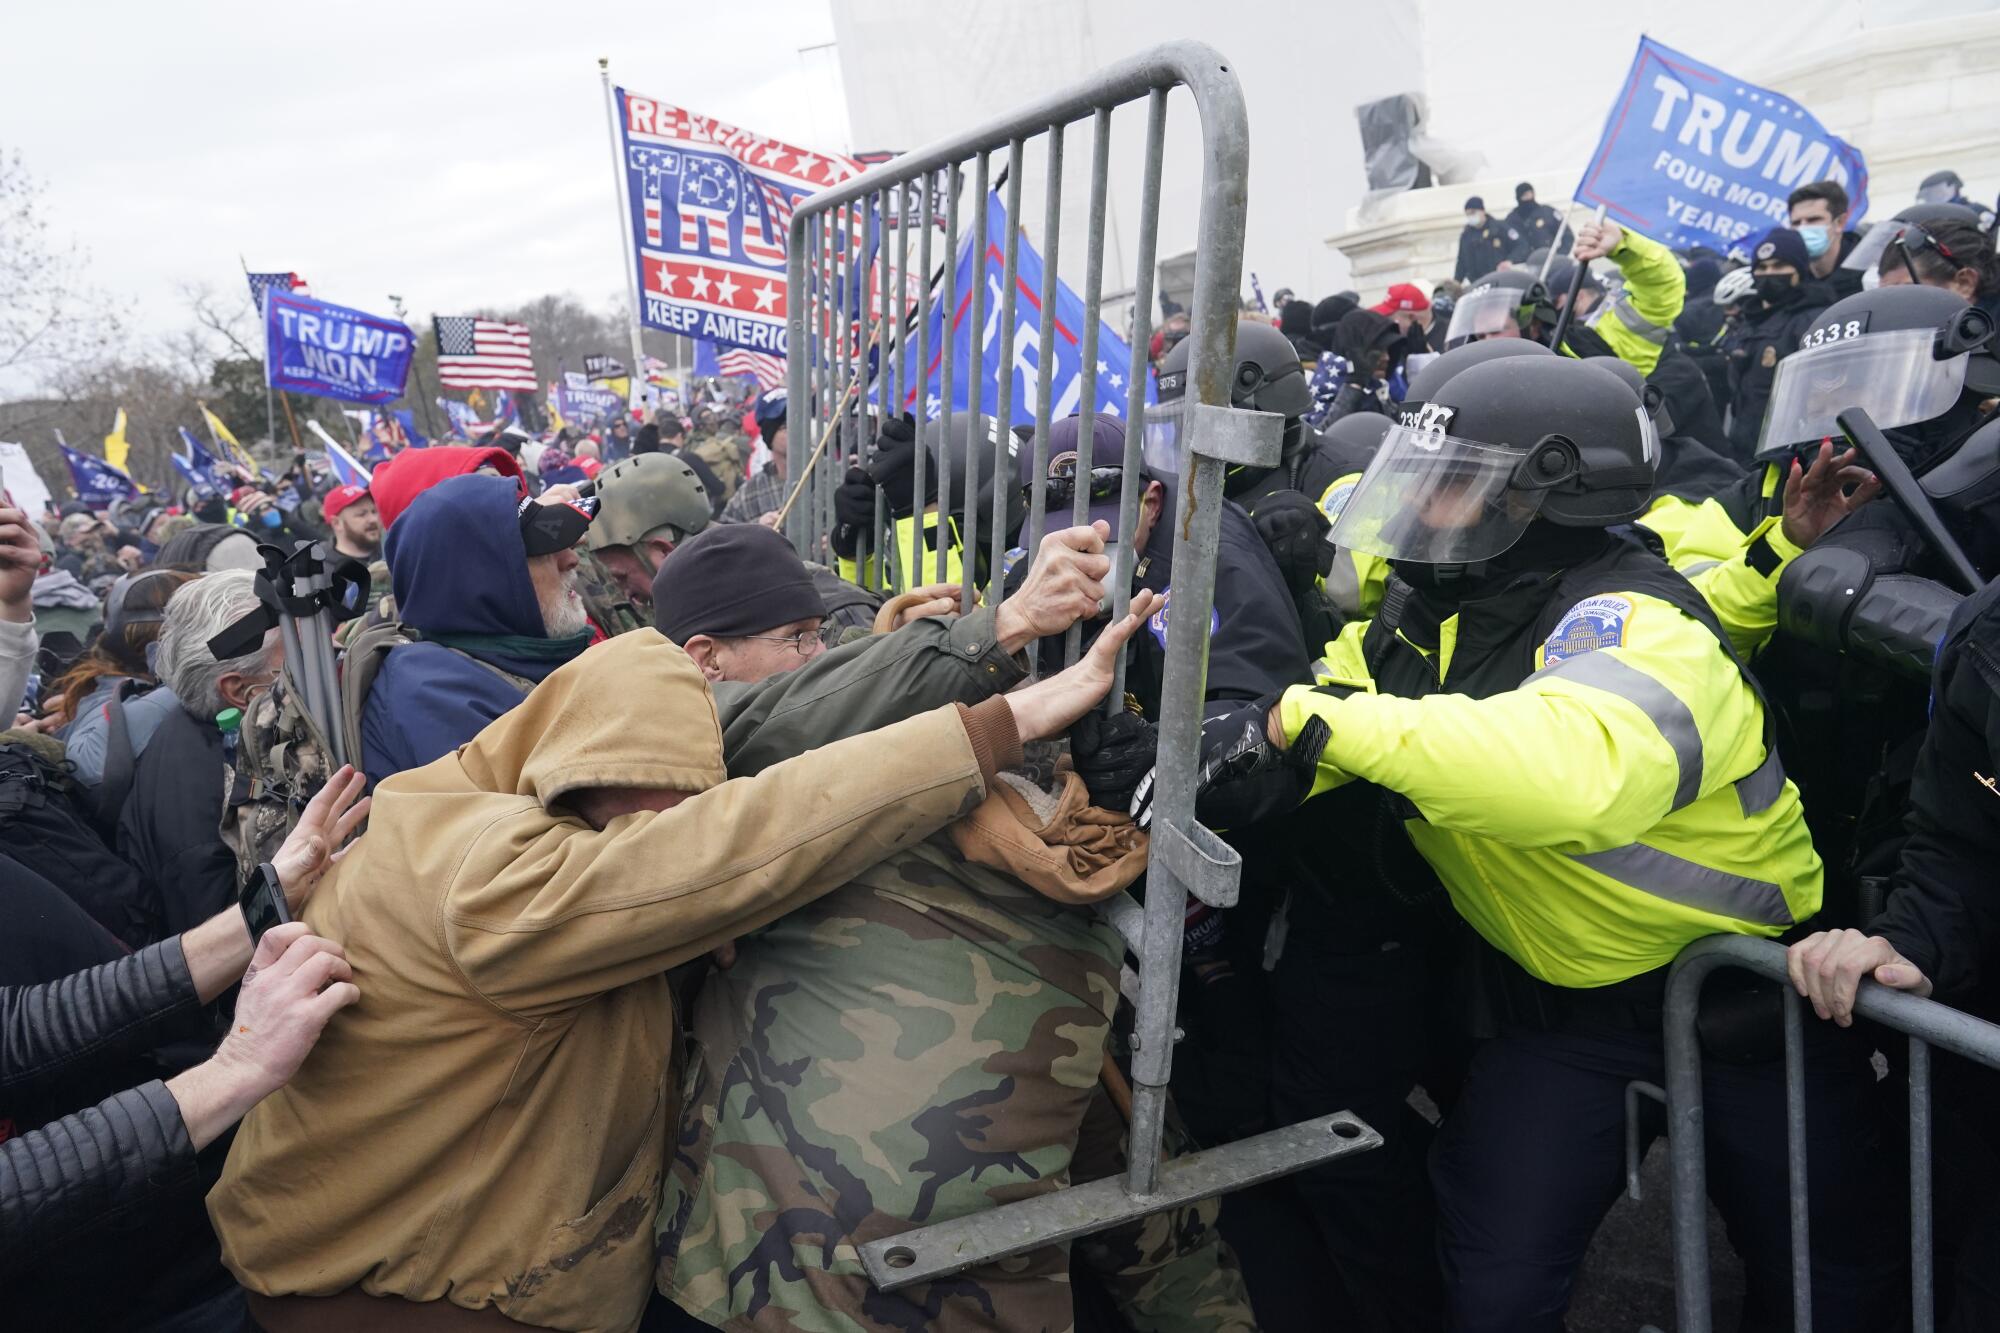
1156, 623
1014, 556
1593, 623
1336, 498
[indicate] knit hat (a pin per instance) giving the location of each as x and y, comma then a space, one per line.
1475, 202
339, 498
1525, 187
734, 579
1782, 245
412, 472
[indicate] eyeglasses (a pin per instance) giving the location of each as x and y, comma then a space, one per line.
1061, 487
805, 643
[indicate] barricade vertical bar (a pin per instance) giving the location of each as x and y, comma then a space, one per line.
1045, 333
948, 338
975, 388
1687, 1134
1093, 304
921, 382
1138, 376
1795, 1163
1003, 406
1923, 1293
798, 348
833, 464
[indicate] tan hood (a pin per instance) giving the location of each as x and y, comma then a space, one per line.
578, 728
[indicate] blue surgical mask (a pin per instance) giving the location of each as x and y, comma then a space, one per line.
272, 518
1816, 239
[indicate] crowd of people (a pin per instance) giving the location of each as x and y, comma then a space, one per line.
692, 912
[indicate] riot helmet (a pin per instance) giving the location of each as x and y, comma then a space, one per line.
1867, 253
1459, 478
1913, 357
1500, 305
1267, 378
1426, 382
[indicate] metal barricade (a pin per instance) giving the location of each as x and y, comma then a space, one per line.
1925, 1022
848, 332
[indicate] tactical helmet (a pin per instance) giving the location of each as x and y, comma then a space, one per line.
972, 440
1267, 378
1647, 392
1426, 382
1906, 355
1460, 477
644, 493
1488, 307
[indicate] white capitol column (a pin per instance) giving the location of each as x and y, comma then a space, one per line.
1914, 97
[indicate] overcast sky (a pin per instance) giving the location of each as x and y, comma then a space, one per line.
453, 154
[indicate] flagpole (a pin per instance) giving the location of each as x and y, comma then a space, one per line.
416, 366
627, 243
270, 419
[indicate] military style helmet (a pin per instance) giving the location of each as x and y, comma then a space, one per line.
1267, 378
1512, 297
1643, 389
644, 493
970, 448
1906, 355
1426, 382
1460, 477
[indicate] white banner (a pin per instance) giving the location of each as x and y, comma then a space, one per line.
18, 476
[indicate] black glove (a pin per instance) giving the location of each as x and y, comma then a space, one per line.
1294, 528
895, 464
1112, 755
1244, 777
854, 507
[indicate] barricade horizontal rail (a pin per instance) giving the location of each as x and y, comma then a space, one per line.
857, 307
1926, 1023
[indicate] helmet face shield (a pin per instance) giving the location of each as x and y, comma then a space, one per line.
1484, 311
1868, 251
1165, 437
1896, 377
1432, 498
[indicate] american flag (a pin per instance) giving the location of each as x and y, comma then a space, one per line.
483, 354
767, 370
284, 282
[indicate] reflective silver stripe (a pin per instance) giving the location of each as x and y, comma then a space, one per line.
1342, 584
1664, 875
1698, 567
1761, 789
1600, 670
1637, 323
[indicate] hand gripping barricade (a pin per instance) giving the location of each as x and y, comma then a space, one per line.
1925, 1022
852, 291
305, 593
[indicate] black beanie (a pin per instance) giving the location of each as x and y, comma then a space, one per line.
732, 580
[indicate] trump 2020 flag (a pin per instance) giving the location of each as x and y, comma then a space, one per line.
1066, 378
710, 206
1691, 155
199, 473
330, 351
97, 483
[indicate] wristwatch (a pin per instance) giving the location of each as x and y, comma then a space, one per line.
263, 902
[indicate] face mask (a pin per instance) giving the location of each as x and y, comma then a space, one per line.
1773, 287
271, 518
1816, 239
1475, 219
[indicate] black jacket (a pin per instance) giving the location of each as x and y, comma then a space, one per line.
171, 826
1944, 909
1537, 224
1480, 249
1753, 349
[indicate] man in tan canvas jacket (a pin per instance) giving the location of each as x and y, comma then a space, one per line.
480, 1141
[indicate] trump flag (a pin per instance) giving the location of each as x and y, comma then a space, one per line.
709, 209
1691, 155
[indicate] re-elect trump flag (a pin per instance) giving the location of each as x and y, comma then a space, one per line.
1691, 155
97, 483
329, 351
710, 205
1114, 357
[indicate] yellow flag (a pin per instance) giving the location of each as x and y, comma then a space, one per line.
116, 447
222, 436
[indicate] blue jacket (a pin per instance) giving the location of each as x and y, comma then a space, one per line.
458, 568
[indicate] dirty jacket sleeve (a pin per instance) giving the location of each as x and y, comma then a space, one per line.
862, 686
542, 916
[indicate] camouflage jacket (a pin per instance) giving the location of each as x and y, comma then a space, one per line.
610, 609
915, 1046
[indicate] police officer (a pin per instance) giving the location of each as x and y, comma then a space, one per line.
1537, 224
1787, 302
1588, 770
647, 505
967, 450
1485, 243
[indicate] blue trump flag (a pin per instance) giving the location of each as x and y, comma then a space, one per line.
1691, 155
329, 351
200, 478
1066, 378
705, 359
97, 483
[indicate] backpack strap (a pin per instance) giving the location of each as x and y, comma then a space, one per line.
119, 762
362, 662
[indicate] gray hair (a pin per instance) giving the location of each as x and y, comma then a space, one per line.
200, 610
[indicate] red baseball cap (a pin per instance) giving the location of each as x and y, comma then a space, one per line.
339, 498
1402, 296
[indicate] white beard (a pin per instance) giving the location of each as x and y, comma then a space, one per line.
567, 617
